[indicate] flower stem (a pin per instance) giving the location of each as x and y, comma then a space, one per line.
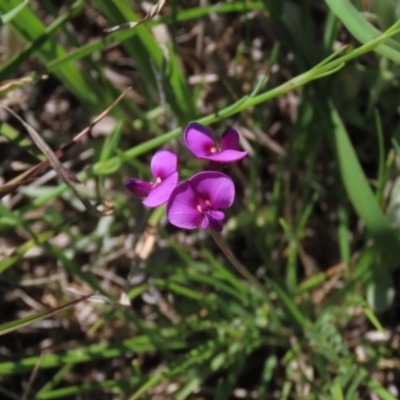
236, 263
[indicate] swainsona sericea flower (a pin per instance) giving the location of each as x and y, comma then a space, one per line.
200, 141
197, 201
164, 170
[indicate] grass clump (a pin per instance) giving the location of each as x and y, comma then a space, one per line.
103, 298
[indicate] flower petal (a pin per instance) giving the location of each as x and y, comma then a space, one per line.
215, 187
163, 164
216, 214
227, 156
199, 140
214, 224
138, 187
182, 207
160, 194
205, 222
230, 140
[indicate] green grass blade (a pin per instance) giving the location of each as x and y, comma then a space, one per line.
361, 194
42, 42
7, 17
23, 249
146, 52
138, 344
121, 386
54, 380
22, 322
379, 390
361, 29
381, 157
121, 36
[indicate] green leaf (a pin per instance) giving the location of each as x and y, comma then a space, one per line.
361, 194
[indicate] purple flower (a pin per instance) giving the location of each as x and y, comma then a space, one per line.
196, 201
201, 143
164, 169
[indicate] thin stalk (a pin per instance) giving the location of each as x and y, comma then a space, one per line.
253, 280
236, 263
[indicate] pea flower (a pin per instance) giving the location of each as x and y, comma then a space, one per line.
164, 169
196, 201
199, 140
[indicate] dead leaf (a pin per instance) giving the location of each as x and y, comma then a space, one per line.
27, 176
54, 161
153, 12
146, 242
7, 85
143, 249
10, 187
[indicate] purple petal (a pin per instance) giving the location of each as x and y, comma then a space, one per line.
228, 156
214, 223
205, 222
215, 187
182, 207
230, 140
216, 214
160, 194
138, 187
163, 164
199, 140
215, 218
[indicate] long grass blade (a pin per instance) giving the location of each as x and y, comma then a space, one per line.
22, 322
